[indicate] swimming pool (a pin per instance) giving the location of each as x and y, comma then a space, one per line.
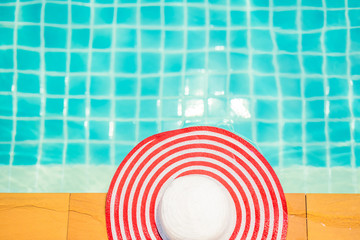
81, 82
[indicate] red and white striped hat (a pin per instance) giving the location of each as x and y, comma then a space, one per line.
136, 187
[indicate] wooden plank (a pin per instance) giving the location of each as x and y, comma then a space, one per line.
333, 216
87, 216
296, 216
34, 216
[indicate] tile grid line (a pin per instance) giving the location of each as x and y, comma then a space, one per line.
350, 97
154, 50
159, 102
131, 142
302, 88
158, 27
112, 126
191, 4
42, 93
206, 75
190, 73
14, 96
87, 91
325, 86
106, 97
227, 87
251, 72
183, 69
66, 96
278, 86
138, 73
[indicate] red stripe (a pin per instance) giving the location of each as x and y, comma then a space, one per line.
163, 136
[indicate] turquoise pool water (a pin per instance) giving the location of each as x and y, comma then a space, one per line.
81, 82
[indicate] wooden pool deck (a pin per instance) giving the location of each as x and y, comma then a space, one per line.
82, 216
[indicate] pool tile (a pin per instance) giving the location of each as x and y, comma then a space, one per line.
316, 157
172, 86
239, 84
293, 156
335, 41
290, 87
125, 86
173, 62
196, 39
76, 130
311, 42
174, 40
339, 109
285, 20
28, 36
100, 85
52, 153
56, 13
6, 82
147, 128
99, 130
78, 62
239, 61
28, 83
217, 85
126, 15
7, 13
150, 39
149, 109
263, 63
25, 155
287, 42
55, 85
6, 129
195, 61
76, 107
27, 130
27, 106
271, 154
292, 109
80, 38
171, 108
354, 39
315, 132
100, 62
313, 64
103, 15
53, 129
80, 14
27, 60
340, 156
102, 38
267, 132
314, 87
150, 15
30, 13
55, 37
292, 132
100, 107
6, 108
55, 61
288, 63
125, 108
54, 107
315, 109
265, 86
217, 107
218, 18
99, 153
150, 63
336, 18
218, 61
312, 19
336, 65
174, 16
339, 131
125, 62
261, 40
238, 18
